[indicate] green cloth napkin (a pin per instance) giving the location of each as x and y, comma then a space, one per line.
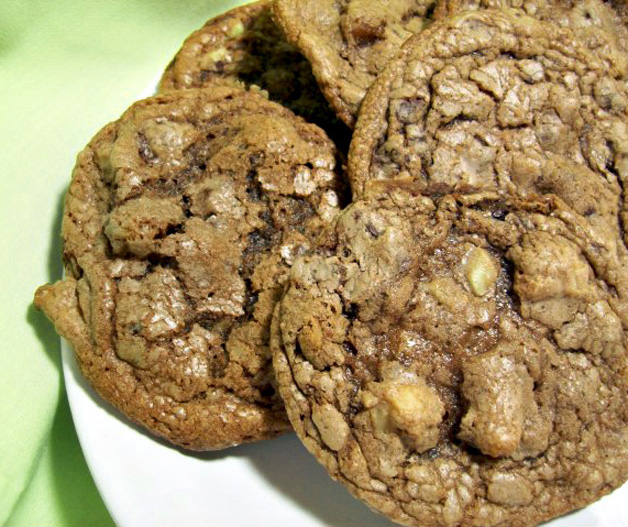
66, 68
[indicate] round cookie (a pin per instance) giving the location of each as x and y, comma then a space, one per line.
180, 224
461, 361
349, 42
245, 46
493, 100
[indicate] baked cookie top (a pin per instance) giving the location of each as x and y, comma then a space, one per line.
621, 8
349, 42
180, 224
495, 100
460, 361
598, 24
244, 46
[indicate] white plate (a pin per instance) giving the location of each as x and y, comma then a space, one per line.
146, 483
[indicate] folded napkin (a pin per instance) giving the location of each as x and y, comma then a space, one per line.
67, 68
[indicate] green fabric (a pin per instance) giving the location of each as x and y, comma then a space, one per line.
66, 68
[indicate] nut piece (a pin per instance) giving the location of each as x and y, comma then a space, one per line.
480, 271
218, 54
331, 425
237, 29
414, 409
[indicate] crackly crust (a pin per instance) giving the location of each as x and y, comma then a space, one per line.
598, 24
621, 8
443, 401
349, 42
498, 100
180, 224
244, 46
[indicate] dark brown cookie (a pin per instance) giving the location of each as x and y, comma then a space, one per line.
349, 42
495, 100
245, 46
461, 361
180, 224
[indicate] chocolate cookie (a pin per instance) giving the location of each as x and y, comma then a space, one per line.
180, 224
596, 23
460, 361
349, 42
621, 8
245, 46
496, 100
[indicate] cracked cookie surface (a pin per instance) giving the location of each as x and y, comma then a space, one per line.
495, 100
598, 24
461, 361
180, 224
349, 42
244, 46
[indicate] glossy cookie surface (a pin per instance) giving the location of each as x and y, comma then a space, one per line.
496, 100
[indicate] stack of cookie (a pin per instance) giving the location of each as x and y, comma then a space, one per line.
441, 316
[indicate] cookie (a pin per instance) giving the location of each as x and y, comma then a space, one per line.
596, 23
621, 8
460, 361
494, 100
244, 46
180, 224
349, 42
